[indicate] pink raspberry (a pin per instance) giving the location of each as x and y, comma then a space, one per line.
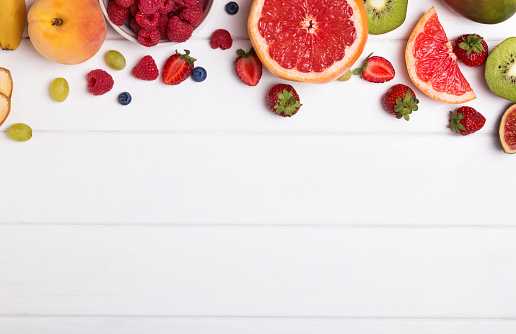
192, 14
186, 3
147, 21
163, 26
99, 82
178, 31
200, 3
124, 3
149, 6
221, 38
135, 26
133, 9
148, 38
167, 6
146, 69
117, 14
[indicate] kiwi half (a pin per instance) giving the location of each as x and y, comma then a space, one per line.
385, 15
501, 69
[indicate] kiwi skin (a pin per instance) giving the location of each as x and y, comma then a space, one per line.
391, 15
500, 62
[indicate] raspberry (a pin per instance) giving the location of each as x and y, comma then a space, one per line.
133, 9
99, 82
117, 14
124, 3
148, 38
178, 31
167, 6
135, 26
147, 21
221, 38
149, 6
146, 69
186, 3
192, 14
163, 26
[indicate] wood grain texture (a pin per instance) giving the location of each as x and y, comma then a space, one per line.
195, 210
260, 179
251, 326
258, 272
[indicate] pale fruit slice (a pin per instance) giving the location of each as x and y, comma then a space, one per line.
432, 65
508, 130
308, 40
6, 82
5, 107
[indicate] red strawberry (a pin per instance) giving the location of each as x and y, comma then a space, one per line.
283, 100
146, 69
248, 67
376, 69
466, 120
178, 68
471, 49
401, 101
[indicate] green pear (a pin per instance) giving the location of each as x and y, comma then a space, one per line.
484, 11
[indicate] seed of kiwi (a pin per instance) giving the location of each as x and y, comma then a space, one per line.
500, 71
385, 15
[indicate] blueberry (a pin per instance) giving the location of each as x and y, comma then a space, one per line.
199, 74
124, 98
232, 8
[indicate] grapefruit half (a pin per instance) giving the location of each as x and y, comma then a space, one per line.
308, 40
508, 130
432, 65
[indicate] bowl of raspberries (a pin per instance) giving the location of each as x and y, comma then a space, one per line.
157, 22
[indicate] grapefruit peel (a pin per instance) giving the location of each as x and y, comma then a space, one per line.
352, 52
425, 86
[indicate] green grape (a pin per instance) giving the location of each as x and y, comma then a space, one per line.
20, 132
59, 89
115, 60
346, 76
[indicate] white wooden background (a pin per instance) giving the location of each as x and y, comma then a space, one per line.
195, 210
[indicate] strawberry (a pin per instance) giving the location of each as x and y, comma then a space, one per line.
471, 49
376, 69
248, 67
401, 101
283, 100
466, 120
178, 68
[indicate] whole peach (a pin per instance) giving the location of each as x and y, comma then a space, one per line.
67, 31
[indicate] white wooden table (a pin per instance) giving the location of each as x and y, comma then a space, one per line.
195, 210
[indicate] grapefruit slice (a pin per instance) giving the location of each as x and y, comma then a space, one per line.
508, 130
308, 40
432, 65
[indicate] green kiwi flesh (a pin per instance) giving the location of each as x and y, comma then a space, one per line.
501, 69
385, 15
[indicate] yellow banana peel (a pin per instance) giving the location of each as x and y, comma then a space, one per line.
13, 17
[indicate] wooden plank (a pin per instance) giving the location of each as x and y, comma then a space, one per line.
250, 326
260, 272
257, 179
222, 102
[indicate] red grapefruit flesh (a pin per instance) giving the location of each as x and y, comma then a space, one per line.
308, 40
508, 130
432, 65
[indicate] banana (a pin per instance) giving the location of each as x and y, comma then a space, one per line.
13, 17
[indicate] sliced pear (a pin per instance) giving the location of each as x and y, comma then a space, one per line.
6, 83
5, 107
